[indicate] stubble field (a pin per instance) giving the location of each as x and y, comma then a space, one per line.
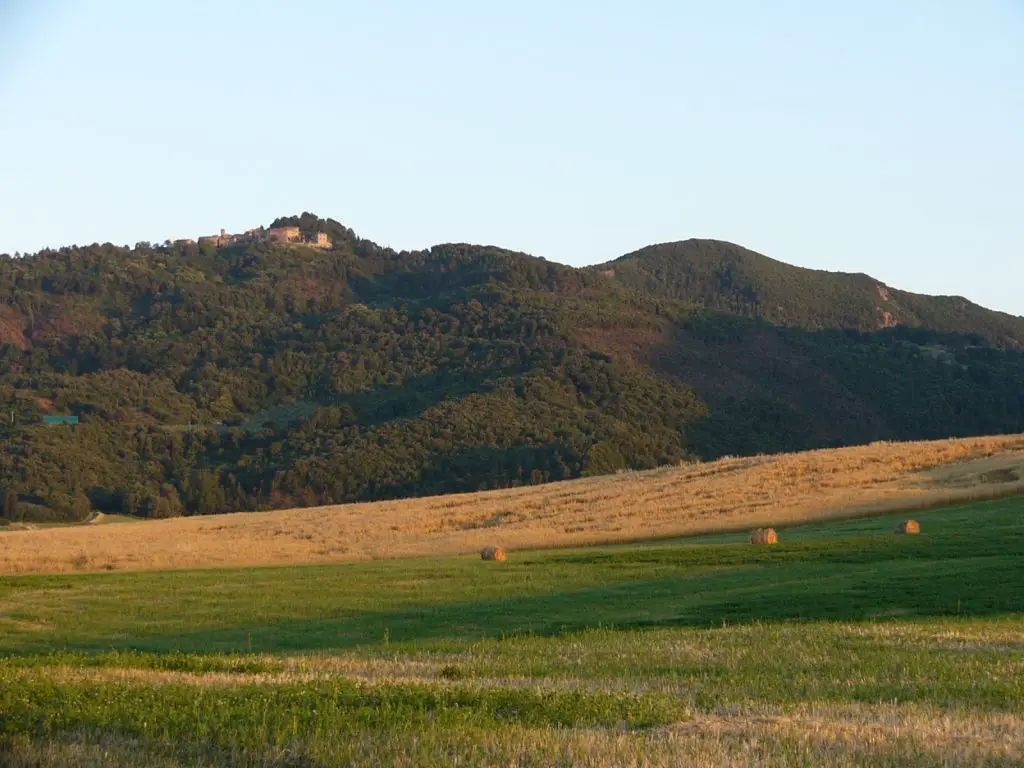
732, 494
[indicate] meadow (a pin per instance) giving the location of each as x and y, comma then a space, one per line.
845, 644
731, 494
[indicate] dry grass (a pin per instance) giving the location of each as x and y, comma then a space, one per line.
816, 733
725, 495
746, 732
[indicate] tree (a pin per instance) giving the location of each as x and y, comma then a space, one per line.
603, 458
81, 507
168, 504
9, 504
208, 495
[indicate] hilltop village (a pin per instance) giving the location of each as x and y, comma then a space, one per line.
288, 234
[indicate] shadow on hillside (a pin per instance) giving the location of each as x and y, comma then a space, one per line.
417, 394
806, 591
776, 389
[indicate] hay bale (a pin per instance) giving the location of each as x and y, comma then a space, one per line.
493, 553
764, 536
909, 526
94, 517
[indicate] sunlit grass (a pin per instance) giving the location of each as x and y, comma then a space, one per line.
732, 495
843, 645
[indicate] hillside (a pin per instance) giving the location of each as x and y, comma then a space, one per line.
729, 278
728, 495
246, 375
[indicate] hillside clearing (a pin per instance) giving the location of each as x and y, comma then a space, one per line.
732, 494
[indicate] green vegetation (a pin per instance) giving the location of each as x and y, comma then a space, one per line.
732, 279
256, 376
969, 561
552, 655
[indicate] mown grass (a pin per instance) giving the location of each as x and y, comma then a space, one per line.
587, 656
966, 563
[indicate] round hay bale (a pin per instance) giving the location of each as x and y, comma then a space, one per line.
94, 517
909, 526
764, 536
493, 553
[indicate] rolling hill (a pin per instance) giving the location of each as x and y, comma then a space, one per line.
730, 495
225, 376
729, 278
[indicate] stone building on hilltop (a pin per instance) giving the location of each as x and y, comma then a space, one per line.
284, 235
216, 240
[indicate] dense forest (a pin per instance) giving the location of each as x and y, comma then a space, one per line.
732, 279
210, 378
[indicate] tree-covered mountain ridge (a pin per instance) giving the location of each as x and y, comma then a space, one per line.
249, 375
730, 278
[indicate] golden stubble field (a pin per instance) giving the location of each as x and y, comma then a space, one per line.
730, 494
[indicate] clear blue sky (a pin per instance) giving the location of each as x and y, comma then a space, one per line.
873, 136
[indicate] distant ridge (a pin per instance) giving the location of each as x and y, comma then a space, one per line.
730, 278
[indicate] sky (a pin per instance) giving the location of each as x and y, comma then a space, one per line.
874, 136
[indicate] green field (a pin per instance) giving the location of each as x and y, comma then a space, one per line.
845, 644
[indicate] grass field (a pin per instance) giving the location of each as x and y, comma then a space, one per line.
725, 495
843, 645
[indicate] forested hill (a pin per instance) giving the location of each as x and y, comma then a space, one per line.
249, 375
733, 279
